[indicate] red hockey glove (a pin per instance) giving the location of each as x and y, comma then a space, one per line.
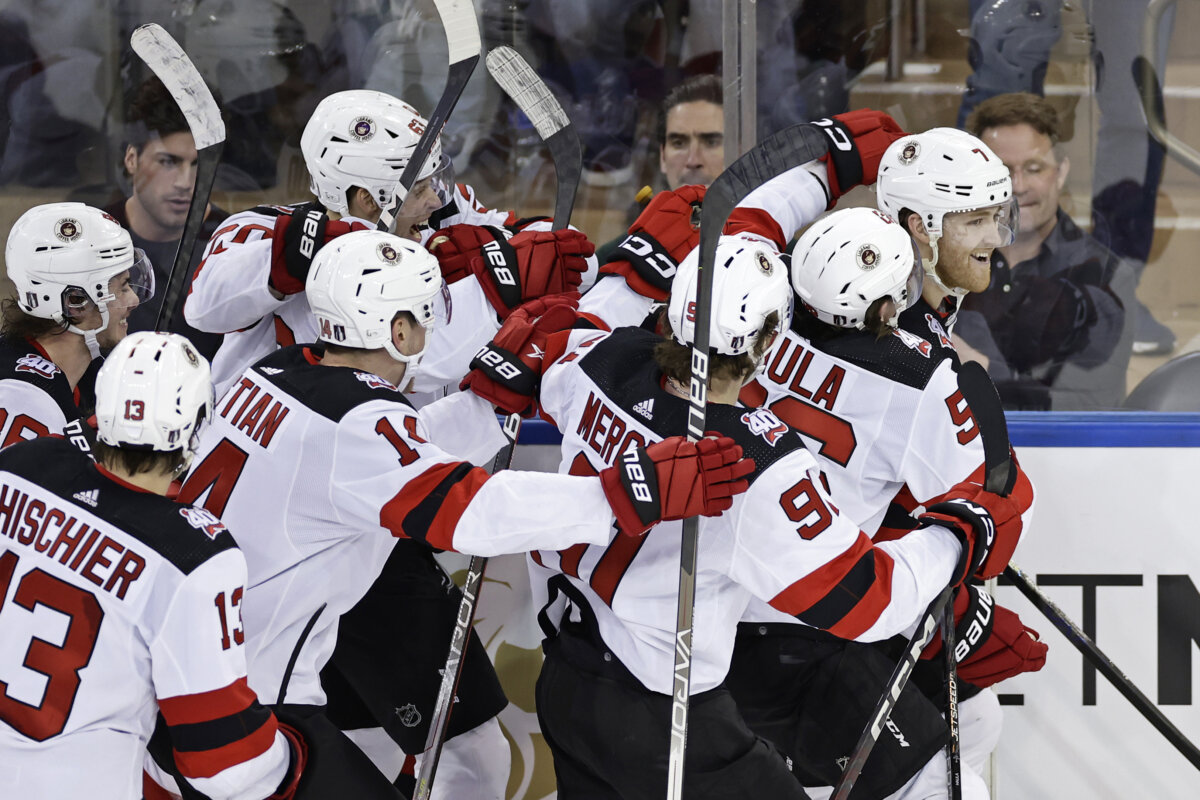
507, 370
297, 239
991, 642
299, 748
455, 246
529, 265
662, 235
988, 525
858, 140
675, 479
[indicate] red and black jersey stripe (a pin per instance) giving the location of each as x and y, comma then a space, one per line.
850, 592
213, 731
429, 506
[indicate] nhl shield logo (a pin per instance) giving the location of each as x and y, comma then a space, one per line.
67, 230
910, 152
362, 129
867, 257
408, 715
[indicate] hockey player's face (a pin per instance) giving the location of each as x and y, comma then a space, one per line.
163, 175
965, 249
694, 150
1038, 175
422, 201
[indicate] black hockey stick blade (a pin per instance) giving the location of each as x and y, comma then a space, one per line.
981, 396
891, 694
1084, 644
167, 60
789, 148
452, 670
530, 93
462, 37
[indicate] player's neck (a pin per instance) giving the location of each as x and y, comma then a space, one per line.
156, 482
69, 353
376, 362
720, 391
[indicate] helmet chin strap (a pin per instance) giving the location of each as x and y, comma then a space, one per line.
930, 265
411, 363
89, 336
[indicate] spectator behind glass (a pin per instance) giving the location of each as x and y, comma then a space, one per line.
160, 162
691, 144
1052, 326
691, 132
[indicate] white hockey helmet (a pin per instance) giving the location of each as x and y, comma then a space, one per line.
749, 282
363, 138
945, 171
154, 392
60, 256
847, 260
360, 281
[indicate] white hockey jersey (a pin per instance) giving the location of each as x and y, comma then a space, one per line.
318, 468
229, 294
782, 541
36, 399
114, 604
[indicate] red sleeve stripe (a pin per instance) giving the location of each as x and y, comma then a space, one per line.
152, 791
187, 709
206, 763
757, 221
429, 506
613, 564
846, 595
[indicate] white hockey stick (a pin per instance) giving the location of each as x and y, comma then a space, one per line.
526, 88
166, 59
462, 37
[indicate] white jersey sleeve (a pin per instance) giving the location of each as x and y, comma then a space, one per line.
779, 208
230, 288
198, 667
464, 425
615, 304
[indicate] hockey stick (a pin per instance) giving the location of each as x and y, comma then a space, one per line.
462, 37
984, 403
452, 671
775, 155
166, 59
993, 430
533, 97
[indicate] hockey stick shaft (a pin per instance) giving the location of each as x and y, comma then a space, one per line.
773, 156
167, 60
1085, 645
443, 705
954, 747
895, 685
530, 93
462, 39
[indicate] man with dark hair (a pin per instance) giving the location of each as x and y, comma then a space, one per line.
160, 162
1055, 325
691, 132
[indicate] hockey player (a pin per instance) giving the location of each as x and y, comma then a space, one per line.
876, 395
116, 603
78, 277
604, 693
324, 429
250, 285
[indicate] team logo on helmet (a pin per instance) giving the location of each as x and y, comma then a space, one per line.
909, 153
764, 263
67, 230
867, 257
387, 253
362, 128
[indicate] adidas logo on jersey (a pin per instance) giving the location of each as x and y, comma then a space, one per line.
271, 370
645, 408
90, 496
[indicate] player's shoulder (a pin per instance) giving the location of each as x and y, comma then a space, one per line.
331, 392
22, 362
762, 435
183, 535
910, 355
